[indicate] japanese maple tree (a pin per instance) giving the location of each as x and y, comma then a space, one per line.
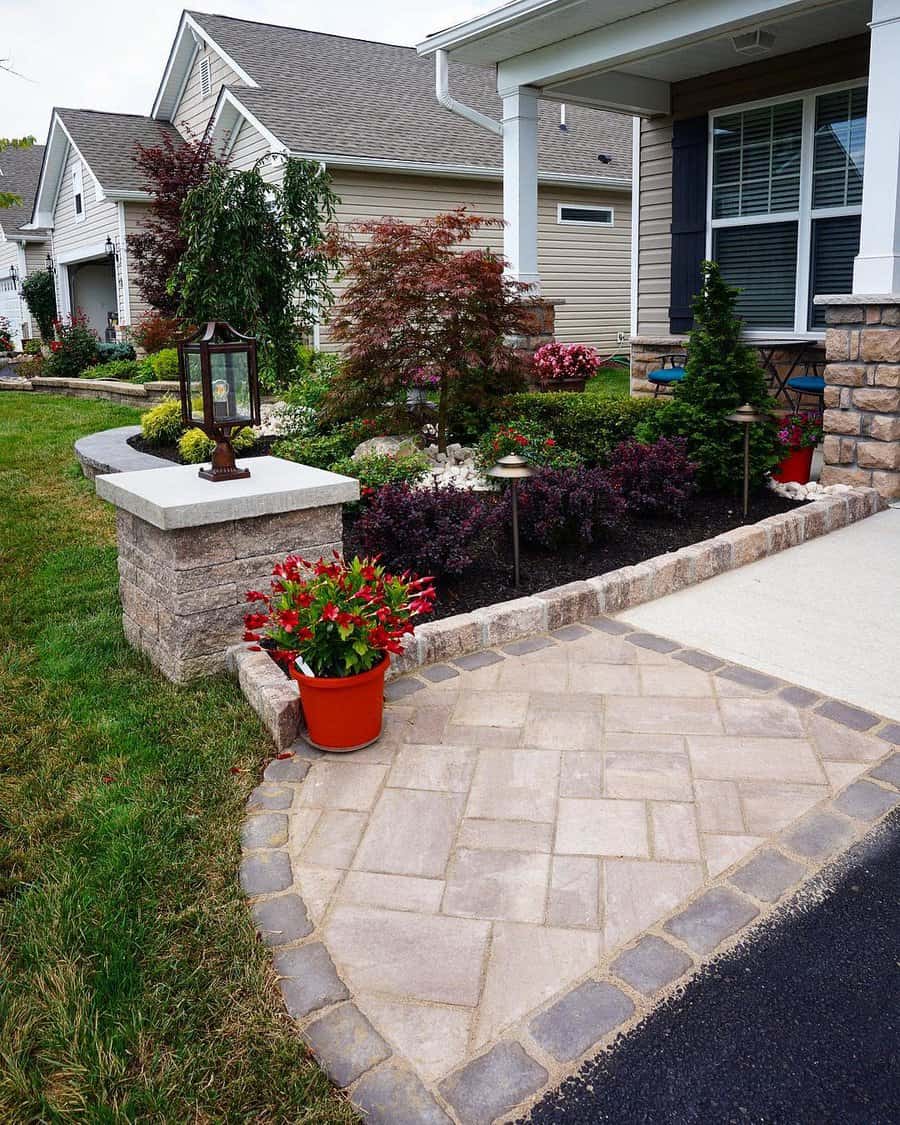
171, 169
419, 298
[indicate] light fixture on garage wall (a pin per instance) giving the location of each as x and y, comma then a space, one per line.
51, 268
13, 275
757, 41
112, 249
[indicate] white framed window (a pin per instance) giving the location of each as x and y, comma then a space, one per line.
78, 192
784, 202
205, 77
577, 214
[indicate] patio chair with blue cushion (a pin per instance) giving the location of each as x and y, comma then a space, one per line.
810, 384
671, 372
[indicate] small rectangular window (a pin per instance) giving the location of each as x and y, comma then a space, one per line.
585, 216
205, 79
78, 193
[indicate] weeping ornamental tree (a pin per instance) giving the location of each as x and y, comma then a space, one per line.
422, 308
721, 374
255, 255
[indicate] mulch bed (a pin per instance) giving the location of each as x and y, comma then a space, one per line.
633, 541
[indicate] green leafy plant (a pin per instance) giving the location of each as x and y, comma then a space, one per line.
39, 290
321, 451
721, 374
74, 348
144, 371
164, 364
162, 425
115, 369
374, 470
194, 447
255, 255
589, 426
341, 617
529, 440
31, 347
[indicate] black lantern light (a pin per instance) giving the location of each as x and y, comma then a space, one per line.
219, 391
513, 468
112, 249
51, 268
13, 275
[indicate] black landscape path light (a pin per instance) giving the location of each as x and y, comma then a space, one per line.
746, 416
219, 391
513, 468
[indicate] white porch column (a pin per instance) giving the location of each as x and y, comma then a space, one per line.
877, 267
520, 194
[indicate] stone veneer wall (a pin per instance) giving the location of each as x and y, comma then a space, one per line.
539, 326
647, 350
862, 394
183, 591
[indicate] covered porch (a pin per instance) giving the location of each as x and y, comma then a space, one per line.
754, 123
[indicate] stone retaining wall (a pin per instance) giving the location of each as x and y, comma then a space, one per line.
275, 699
862, 395
141, 395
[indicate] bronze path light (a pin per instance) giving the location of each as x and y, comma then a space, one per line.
745, 416
219, 391
513, 468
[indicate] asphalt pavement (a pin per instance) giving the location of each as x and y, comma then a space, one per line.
799, 1025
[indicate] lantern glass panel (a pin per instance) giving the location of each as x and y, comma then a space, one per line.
230, 386
196, 386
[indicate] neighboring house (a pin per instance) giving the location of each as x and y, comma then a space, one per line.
22, 251
770, 140
91, 196
367, 111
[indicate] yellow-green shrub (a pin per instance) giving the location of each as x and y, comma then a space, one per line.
162, 424
165, 364
195, 447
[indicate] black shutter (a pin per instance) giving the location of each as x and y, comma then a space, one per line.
690, 143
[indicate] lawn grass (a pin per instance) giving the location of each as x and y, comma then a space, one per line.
612, 381
131, 984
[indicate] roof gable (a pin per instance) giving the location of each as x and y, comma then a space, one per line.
20, 170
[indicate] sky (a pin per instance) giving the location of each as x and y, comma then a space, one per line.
110, 54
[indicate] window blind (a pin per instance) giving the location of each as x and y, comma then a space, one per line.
835, 243
761, 260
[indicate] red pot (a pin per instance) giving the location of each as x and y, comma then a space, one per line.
797, 466
343, 714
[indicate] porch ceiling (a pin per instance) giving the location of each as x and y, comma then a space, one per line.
623, 55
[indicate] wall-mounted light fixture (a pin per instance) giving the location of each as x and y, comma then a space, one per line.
13, 275
112, 249
51, 268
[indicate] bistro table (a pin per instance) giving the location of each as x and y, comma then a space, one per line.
797, 350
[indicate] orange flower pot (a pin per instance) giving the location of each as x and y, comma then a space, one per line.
343, 714
797, 466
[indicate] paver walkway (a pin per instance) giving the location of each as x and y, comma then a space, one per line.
825, 614
527, 815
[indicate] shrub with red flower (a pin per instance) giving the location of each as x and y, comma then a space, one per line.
556, 361
5, 335
800, 431
74, 347
537, 445
340, 617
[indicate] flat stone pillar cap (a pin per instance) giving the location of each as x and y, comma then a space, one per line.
857, 299
178, 497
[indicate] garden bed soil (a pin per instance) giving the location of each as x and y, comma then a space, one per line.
632, 541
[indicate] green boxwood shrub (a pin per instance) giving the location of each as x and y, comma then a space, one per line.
144, 371
165, 364
590, 426
115, 369
321, 451
162, 424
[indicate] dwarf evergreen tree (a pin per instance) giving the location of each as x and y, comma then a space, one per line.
721, 374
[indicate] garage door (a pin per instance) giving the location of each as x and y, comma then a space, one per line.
11, 308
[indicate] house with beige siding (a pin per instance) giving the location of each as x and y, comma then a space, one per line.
22, 249
767, 137
90, 197
367, 112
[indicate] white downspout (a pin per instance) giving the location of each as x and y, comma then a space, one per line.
442, 90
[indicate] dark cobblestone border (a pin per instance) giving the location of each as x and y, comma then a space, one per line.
552, 1041
514, 624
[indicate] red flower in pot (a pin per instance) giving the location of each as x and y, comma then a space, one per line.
799, 435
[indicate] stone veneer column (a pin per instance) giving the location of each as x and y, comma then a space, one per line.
189, 549
862, 392
538, 327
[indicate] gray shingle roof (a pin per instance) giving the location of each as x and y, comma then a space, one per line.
107, 140
323, 93
21, 168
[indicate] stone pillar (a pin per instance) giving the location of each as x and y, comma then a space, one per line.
862, 392
538, 327
189, 549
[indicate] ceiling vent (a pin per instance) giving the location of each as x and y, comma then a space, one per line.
755, 42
